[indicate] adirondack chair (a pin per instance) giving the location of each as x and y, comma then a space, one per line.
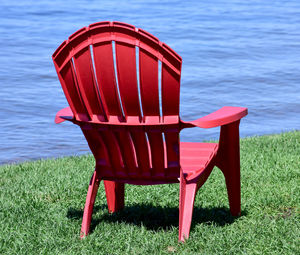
122, 85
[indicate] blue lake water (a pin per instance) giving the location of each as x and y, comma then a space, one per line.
235, 52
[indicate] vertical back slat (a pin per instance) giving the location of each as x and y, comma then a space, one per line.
157, 153
86, 80
142, 154
172, 148
114, 151
128, 152
97, 147
127, 80
148, 67
104, 66
170, 91
70, 89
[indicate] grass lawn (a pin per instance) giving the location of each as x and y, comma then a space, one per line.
41, 206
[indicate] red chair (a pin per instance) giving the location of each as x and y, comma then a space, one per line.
122, 85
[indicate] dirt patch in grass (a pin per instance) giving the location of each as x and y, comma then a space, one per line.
287, 212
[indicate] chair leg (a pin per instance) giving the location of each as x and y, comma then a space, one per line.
230, 165
89, 205
186, 206
233, 185
114, 195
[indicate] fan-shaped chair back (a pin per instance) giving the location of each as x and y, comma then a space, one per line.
125, 83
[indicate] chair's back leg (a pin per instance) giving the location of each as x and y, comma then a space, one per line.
229, 163
89, 205
114, 195
186, 206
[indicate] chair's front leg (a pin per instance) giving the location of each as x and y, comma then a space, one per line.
228, 161
89, 205
187, 195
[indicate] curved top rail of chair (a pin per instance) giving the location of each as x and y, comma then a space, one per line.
107, 31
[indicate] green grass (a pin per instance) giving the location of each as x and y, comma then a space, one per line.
41, 206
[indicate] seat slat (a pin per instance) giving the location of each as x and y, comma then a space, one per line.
195, 156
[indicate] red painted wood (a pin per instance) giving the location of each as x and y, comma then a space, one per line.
142, 152
99, 149
114, 152
131, 149
128, 153
223, 116
72, 93
114, 195
157, 153
186, 205
62, 114
148, 68
104, 66
195, 157
89, 205
126, 69
172, 153
229, 163
170, 91
87, 84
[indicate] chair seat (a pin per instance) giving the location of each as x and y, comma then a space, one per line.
194, 157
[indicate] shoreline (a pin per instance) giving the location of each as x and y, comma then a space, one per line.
89, 152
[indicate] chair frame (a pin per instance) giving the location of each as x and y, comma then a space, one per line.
125, 137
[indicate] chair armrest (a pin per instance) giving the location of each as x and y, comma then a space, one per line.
223, 116
64, 114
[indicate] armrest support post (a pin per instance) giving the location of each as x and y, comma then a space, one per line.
228, 160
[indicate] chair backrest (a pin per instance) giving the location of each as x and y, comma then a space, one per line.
123, 86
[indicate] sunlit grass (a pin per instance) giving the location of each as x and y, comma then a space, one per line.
41, 206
